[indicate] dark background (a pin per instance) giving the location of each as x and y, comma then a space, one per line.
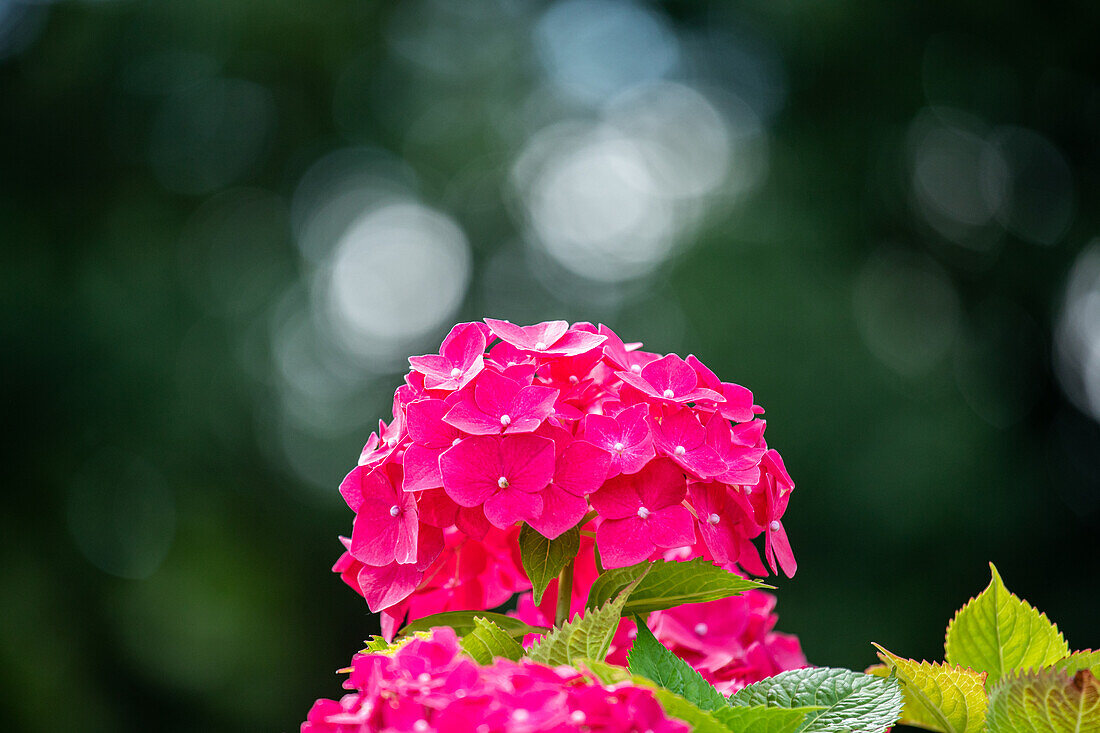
225, 223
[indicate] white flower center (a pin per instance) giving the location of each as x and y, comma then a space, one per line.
455, 372
619, 446
456, 441
420, 726
505, 420
577, 717
643, 513
520, 715
680, 450
774, 526
748, 490
636, 368
713, 519
395, 510
502, 482
423, 678
573, 379
669, 394
701, 629
540, 346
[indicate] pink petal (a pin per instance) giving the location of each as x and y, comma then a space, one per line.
526, 337
388, 585
385, 529
738, 405
527, 461
509, 506
530, 407
424, 419
436, 508
471, 469
779, 547
618, 498
494, 394
469, 418
581, 468
471, 521
623, 542
671, 527
421, 468
661, 484
670, 373
465, 344
561, 511
574, 343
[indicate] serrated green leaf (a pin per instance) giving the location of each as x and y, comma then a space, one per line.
939, 697
997, 632
1075, 662
488, 641
701, 721
543, 559
763, 719
587, 637
463, 623
848, 700
668, 585
652, 660
1045, 701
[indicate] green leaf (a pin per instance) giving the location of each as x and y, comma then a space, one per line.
1045, 701
701, 721
669, 584
848, 700
1077, 661
996, 632
763, 719
587, 637
652, 660
544, 559
488, 641
376, 645
939, 697
463, 623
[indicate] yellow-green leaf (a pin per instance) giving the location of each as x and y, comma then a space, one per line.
488, 641
1077, 661
938, 697
997, 632
1045, 701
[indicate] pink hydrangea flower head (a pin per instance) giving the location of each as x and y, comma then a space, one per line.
547, 339
460, 358
642, 512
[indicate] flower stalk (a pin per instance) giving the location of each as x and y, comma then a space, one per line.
565, 595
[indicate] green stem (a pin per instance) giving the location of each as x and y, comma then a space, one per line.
565, 595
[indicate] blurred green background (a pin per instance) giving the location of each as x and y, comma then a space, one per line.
226, 223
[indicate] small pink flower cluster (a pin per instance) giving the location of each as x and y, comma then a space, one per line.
547, 424
426, 685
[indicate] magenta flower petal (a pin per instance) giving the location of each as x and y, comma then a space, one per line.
778, 547
626, 437
561, 511
550, 338
425, 423
386, 526
623, 542
388, 585
421, 468
459, 361
671, 527
581, 468
509, 506
471, 470
682, 438
661, 484
527, 462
